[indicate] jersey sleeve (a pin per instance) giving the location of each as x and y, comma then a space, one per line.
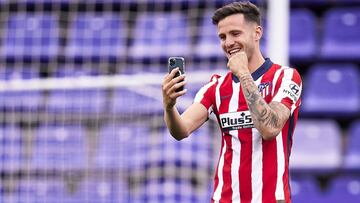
206, 94
288, 89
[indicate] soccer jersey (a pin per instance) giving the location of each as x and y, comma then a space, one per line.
249, 168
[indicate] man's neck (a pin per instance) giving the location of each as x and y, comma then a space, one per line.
255, 62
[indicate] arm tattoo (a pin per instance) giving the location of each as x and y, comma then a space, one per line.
263, 114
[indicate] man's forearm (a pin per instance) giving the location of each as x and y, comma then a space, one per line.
174, 123
266, 120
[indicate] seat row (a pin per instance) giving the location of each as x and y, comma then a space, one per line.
91, 35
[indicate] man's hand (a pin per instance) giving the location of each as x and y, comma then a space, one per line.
169, 87
238, 63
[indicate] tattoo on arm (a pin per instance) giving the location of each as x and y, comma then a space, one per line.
264, 115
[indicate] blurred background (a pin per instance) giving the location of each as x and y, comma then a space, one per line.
81, 106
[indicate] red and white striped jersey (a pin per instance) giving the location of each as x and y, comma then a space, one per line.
249, 168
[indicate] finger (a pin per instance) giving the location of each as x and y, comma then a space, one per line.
175, 95
177, 86
171, 75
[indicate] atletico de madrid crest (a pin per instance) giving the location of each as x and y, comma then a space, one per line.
264, 89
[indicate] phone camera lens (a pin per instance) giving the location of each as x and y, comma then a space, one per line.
172, 62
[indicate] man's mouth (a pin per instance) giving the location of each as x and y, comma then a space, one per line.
234, 51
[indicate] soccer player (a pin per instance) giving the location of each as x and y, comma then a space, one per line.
256, 105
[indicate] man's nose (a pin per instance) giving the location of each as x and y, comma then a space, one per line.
229, 42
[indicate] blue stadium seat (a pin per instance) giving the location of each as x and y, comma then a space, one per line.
104, 190
344, 189
352, 154
166, 190
306, 189
47, 189
332, 89
316, 146
208, 43
341, 34
59, 148
96, 35
161, 35
117, 143
31, 35
20, 100
12, 148
145, 100
77, 101
303, 38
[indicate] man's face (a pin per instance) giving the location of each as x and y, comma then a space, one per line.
236, 34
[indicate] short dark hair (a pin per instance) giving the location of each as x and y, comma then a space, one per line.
250, 11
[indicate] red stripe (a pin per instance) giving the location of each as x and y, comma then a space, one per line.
226, 90
269, 153
245, 156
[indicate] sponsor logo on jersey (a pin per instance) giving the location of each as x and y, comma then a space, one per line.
236, 120
292, 91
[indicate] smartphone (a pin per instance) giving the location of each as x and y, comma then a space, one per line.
177, 62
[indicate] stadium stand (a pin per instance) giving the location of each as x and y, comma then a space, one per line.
332, 89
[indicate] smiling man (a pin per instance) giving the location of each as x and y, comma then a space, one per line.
256, 104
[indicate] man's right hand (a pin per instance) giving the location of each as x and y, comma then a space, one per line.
169, 87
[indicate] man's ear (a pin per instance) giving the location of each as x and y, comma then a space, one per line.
258, 33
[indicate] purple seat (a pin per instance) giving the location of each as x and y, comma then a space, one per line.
208, 44
137, 100
31, 35
59, 148
341, 35
12, 148
96, 36
306, 189
316, 146
332, 89
352, 154
344, 189
119, 146
303, 42
161, 35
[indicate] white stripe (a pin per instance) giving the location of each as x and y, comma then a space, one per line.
256, 166
217, 193
236, 147
288, 74
276, 77
279, 192
217, 92
200, 94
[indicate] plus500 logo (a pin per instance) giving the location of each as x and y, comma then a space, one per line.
236, 120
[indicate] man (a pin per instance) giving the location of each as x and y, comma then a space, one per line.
256, 105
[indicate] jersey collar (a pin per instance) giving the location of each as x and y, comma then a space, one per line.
259, 72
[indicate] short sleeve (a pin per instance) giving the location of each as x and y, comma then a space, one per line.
288, 89
206, 94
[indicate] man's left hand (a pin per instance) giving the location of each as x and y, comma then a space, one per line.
238, 63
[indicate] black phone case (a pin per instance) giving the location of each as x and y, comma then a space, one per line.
177, 62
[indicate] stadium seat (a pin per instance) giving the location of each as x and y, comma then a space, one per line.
208, 43
117, 143
352, 154
146, 100
104, 190
332, 89
344, 189
31, 35
160, 35
303, 35
77, 101
49, 189
316, 146
12, 148
341, 35
306, 189
59, 148
96, 35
